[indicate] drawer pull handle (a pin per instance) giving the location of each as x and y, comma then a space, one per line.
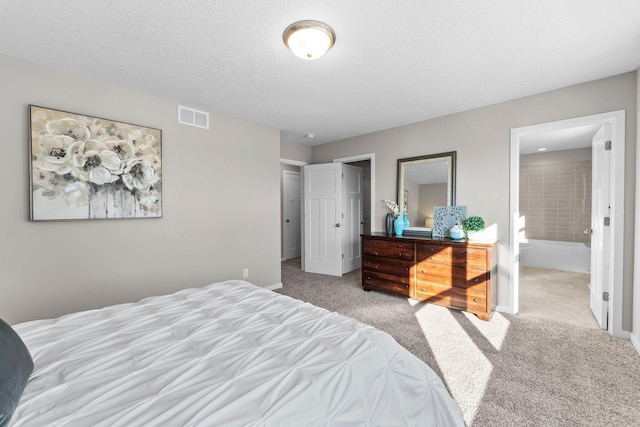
375, 243
422, 289
475, 300
476, 279
368, 277
400, 245
431, 249
399, 253
406, 269
431, 258
422, 271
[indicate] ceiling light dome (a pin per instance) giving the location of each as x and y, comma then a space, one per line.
309, 39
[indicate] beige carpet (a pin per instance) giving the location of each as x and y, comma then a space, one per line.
511, 371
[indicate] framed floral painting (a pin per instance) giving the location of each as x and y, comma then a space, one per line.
90, 168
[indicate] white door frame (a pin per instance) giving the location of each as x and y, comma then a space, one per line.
617, 121
372, 158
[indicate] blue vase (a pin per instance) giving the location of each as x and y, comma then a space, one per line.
398, 225
406, 221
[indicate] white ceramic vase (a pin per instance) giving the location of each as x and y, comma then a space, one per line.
474, 235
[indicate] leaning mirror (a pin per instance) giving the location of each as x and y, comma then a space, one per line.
425, 182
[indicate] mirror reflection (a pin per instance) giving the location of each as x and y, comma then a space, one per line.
425, 182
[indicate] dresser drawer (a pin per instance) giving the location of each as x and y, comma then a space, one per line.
386, 282
449, 275
470, 257
451, 297
396, 267
434, 253
476, 290
388, 249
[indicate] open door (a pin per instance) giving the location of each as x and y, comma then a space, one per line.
323, 219
353, 218
600, 231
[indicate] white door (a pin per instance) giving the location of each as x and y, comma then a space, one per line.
291, 226
600, 237
352, 218
323, 219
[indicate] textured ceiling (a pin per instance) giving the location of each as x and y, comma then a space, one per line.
394, 62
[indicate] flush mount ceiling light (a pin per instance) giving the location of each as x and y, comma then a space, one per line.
309, 39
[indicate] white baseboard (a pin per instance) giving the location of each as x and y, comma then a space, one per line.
504, 309
635, 342
274, 287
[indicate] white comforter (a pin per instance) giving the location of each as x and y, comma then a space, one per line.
229, 354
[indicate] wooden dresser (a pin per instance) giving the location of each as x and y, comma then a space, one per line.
456, 274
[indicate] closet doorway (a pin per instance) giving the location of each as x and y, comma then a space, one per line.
290, 209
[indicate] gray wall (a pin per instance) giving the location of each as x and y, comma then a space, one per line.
481, 138
212, 182
294, 151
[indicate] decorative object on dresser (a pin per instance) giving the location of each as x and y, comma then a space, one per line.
398, 225
398, 222
461, 275
456, 232
445, 217
388, 224
473, 226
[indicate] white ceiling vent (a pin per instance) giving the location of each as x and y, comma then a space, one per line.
191, 117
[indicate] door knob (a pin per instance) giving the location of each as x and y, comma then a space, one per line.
362, 222
338, 225
288, 221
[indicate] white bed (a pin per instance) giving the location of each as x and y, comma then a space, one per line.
229, 354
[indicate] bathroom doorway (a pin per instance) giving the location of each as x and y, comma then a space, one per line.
555, 204
608, 266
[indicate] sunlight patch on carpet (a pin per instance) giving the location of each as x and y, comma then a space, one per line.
463, 346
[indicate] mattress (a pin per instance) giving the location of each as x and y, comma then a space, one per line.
229, 354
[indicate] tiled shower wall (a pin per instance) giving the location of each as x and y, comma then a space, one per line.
555, 199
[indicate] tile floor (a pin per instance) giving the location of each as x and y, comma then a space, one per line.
555, 294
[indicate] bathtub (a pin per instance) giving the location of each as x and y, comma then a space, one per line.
567, 256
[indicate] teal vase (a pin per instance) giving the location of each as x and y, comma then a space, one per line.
398, 225
406, 221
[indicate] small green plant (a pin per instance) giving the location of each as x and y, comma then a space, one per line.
473, 223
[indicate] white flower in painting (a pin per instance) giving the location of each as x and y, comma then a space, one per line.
69, 127
77, 192
123, 149
94, 162
146, 142
139, 174
52, 153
